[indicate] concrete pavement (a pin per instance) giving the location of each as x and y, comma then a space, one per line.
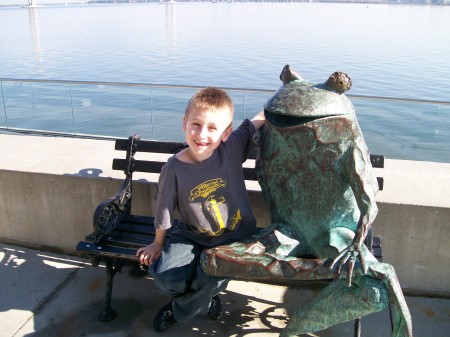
46, 294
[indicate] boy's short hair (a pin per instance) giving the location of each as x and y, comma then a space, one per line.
210, 98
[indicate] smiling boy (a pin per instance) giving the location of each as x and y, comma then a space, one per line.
205, 183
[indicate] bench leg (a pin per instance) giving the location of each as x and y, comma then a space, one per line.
358, 327
358, 323
108, 313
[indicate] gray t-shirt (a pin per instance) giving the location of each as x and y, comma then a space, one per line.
210, 196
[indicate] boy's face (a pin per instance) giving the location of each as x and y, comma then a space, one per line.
205, 129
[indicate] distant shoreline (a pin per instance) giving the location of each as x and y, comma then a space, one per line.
374, 2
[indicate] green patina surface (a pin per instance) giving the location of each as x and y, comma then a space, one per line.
316, 178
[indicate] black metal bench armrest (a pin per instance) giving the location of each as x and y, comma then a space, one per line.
110, 212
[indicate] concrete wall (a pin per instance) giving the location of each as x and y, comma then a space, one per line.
49, 188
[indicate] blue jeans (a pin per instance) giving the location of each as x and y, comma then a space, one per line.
178, 274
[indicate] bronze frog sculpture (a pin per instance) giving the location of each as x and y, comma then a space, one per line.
317, 180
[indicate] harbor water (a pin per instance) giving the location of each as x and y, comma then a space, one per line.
400, 51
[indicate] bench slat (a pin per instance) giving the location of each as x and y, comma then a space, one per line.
109, 251
146, 229
135, 231
376, 241
142, 220
141, 224
138, 165
122, 239
377, 160
155, 167
151, 146
377, 252
380, 181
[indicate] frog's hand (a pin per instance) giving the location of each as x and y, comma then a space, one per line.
343, 239
347, 258
403, 323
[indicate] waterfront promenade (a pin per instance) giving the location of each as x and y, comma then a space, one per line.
50, 186
45, 294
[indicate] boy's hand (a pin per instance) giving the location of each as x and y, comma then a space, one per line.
258, 120
149, 254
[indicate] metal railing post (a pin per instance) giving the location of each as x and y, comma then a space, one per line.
4, 105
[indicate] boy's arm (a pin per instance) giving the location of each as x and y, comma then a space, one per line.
258, 120
147, 255
160, 237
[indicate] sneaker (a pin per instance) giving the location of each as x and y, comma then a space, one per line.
215, 308
164, 318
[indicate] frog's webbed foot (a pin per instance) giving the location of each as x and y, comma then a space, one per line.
371, 293
385, 272
342, 240
338, 303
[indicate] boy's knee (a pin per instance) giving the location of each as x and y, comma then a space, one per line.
170, 284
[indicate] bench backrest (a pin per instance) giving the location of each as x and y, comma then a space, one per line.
134, 144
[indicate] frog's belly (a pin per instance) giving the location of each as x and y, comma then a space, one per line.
303, 181
311, 207
309, 198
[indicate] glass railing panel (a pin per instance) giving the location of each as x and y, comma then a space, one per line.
37, 106
168, 105
405, 129
247, 104
395, 127
115, 111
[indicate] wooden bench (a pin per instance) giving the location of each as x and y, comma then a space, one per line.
118, 233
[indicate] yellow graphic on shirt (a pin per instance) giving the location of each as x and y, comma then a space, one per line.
205, 189
236, 219
212, 206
